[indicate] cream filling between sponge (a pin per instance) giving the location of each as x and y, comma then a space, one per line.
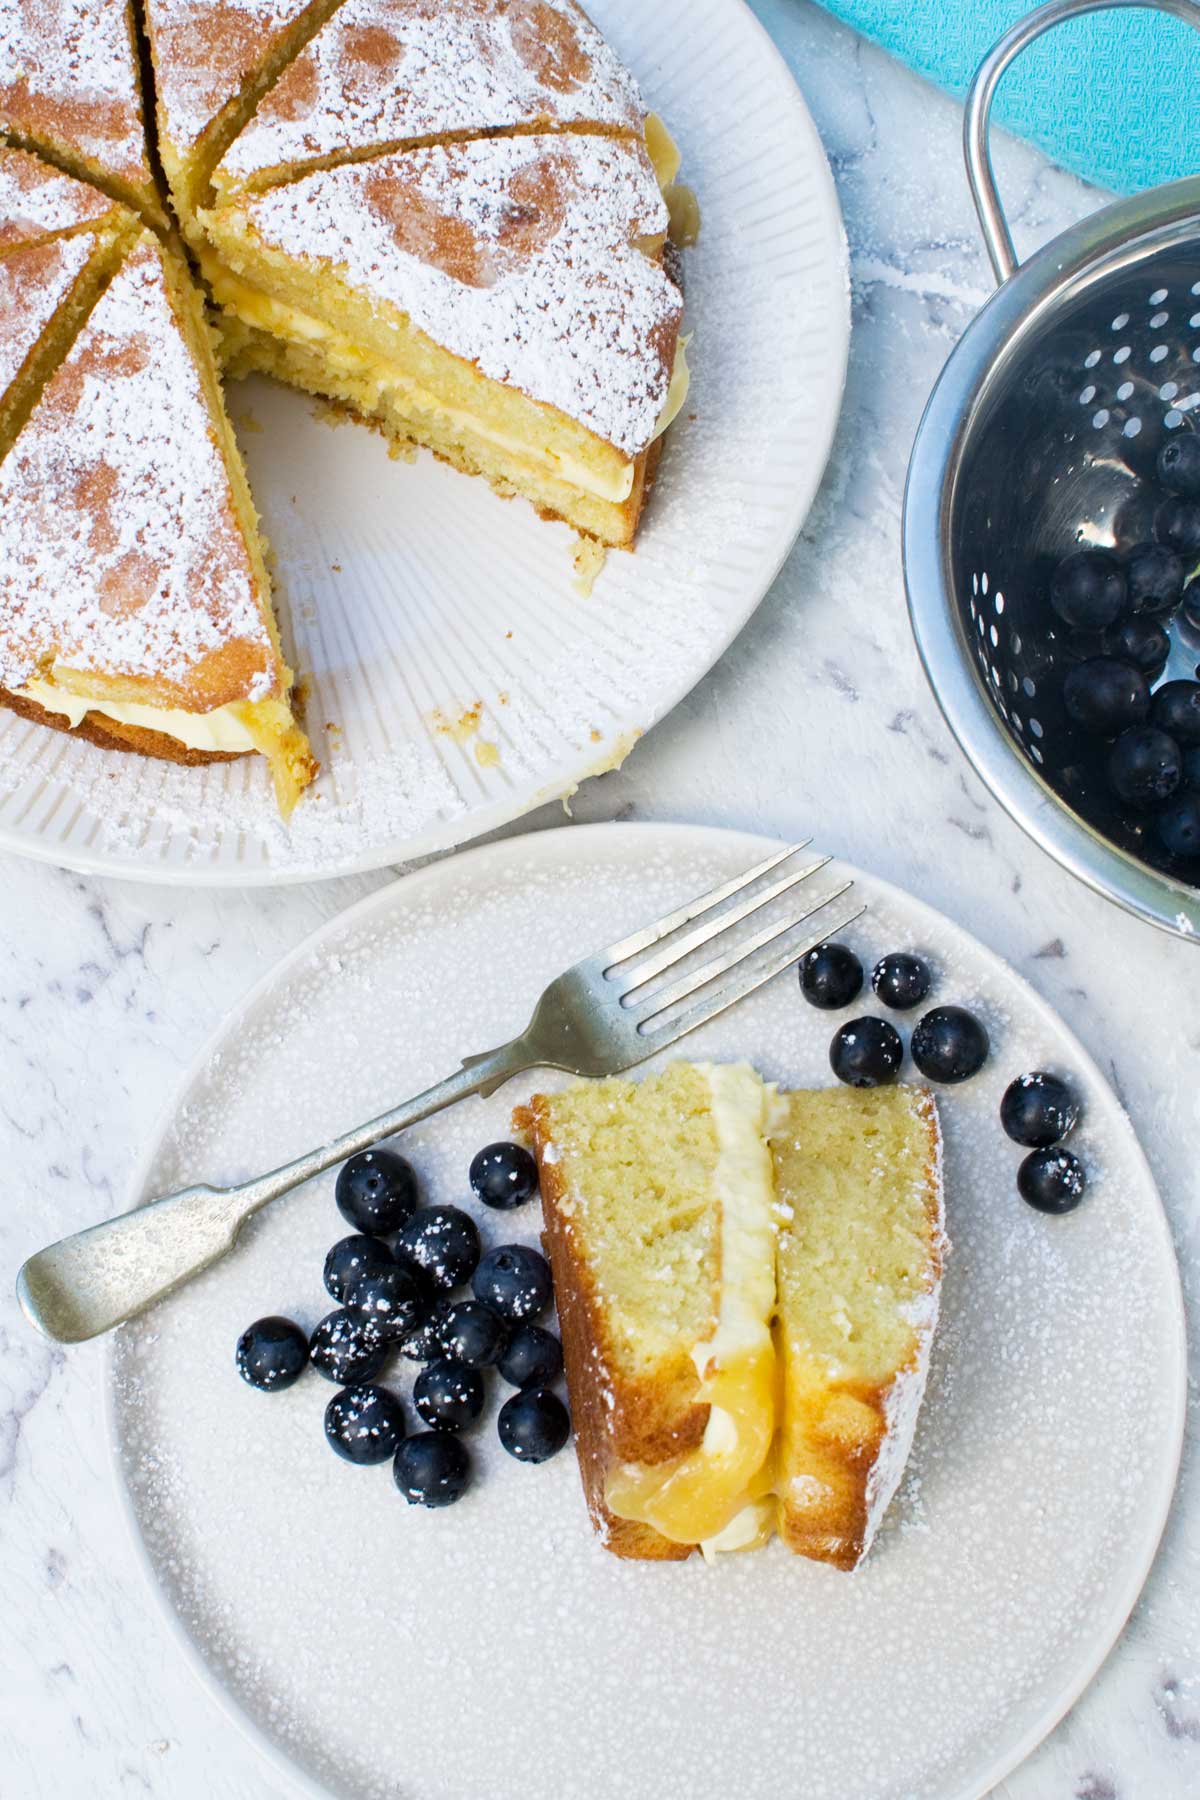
221, 730
695, 1497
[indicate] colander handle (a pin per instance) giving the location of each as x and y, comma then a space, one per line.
976, 147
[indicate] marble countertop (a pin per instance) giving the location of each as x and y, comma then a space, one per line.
107, 990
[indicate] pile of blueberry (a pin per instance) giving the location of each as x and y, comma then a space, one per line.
1121, 605
1039, 1111
399, 1298
949, 1045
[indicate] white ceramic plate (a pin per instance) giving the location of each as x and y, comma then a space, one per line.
457, 677
495, 1648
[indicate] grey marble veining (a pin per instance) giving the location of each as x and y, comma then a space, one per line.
817, 720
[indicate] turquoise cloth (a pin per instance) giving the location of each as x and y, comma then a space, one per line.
1111, 96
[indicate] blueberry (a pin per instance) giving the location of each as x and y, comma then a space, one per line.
1175, 709
1191, 603
422, 1343
533, 1425
471, 1333
900, 980
347, 1349
1142, 642
394, 1300
1178, 466
1177, 523
830, 976
1087, 590
1106, 696
532, 1357
514, 1281
1038, 1110
503, 1175
1178, 824
949, 1044
376, 1191
1052, 1180
1154, 574
271, 1353
432, 1469
351, 1257
1144, 766
866, 1052
448, 1396
364, 1424
443, 1242
1191, 766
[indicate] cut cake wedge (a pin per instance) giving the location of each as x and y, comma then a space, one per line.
70, 90
383, 74
503, 302
134, 602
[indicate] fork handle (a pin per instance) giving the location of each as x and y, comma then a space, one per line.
87, 1283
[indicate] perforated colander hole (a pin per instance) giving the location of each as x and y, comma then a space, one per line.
1035, 725
1159, 353
1091, 359
1029, 687
1013, 683
1195, 288
979, 623
1172, 419
1120, 322
1131, 427
974, 584
983, 581
1194, 321
1158, 321
996, 677
1123, 354
1101, 418
1124, 391
998, 602
1168, 390
1036, 753
1016, 720
1087, 395
1016, 644
995, 637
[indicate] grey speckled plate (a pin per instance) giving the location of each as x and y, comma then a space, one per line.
495, 1648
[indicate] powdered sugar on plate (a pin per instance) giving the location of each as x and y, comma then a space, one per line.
1038, 1481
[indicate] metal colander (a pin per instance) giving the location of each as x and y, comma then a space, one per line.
1041, 437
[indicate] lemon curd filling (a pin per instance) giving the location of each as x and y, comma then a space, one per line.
704, 1494
281, 320
223, 729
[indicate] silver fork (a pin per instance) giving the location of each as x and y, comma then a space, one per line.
597, 1018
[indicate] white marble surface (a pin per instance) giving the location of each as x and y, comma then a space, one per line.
818, 720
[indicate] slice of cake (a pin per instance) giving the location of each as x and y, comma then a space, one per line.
658, 1227
59, 240
37, 201
502, 302
70, 90
134, 604
212, 63
858, 1178
381, 74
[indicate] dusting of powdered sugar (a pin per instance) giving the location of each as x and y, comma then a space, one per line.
35, 199
381, 71
515, 253
1036, 1467
33, 283
68, 74
119, 549
204, 54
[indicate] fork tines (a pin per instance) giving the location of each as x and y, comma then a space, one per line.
739, 960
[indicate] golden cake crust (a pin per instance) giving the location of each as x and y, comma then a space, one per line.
614, 1420
112, 734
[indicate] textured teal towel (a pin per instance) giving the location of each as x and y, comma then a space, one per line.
1111, 96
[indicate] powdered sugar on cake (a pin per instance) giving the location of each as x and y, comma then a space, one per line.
205, 53
68, 74
33, 283
383, 71
119, 550
515, 253
36, 200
